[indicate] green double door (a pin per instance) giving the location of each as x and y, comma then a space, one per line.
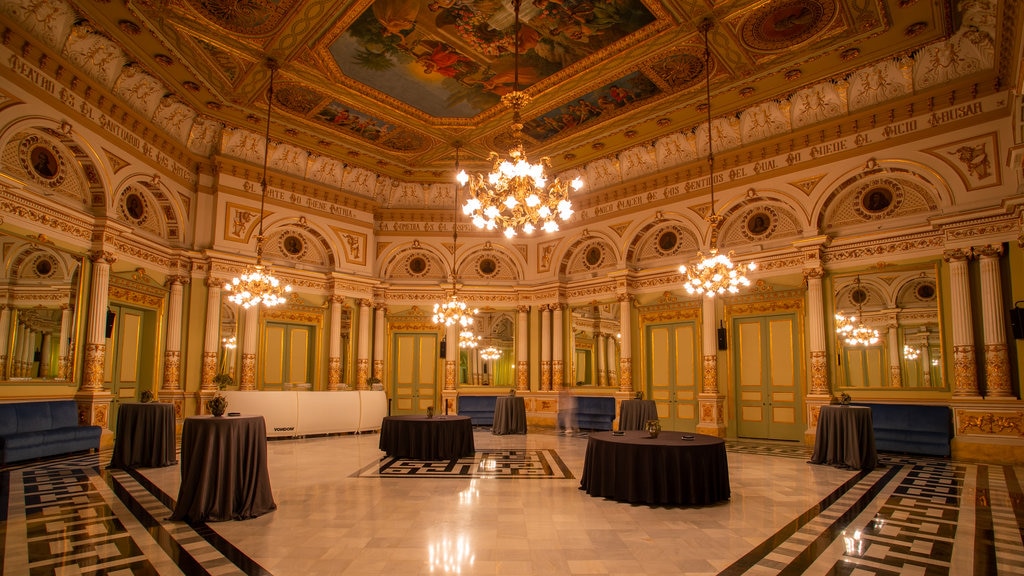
416, 369
767, 375
673, 373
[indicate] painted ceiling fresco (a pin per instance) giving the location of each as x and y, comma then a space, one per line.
455, 58
392, 84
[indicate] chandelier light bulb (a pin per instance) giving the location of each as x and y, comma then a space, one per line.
910, 353
714, 274
490, 353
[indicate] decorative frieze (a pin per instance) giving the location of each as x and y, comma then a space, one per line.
989, 422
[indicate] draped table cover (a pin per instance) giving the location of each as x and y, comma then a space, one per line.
666, 470
634, 414
145, 436
845, 438
509, 415
417, 437
223, 469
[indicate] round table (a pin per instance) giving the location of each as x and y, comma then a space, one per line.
509, 415
145, 435
634, 414
845, 438
416, 437
223, 469
667, 470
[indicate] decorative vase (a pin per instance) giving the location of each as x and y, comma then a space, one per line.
217, 405
653, 428
430, 411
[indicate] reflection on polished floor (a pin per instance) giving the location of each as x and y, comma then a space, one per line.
340, 513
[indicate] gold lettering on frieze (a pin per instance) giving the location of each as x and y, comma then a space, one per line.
1003, 424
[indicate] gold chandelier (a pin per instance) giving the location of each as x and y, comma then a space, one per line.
490, 353
852, 332
911, 353
257, 284
715, 273
454, 311
467, 339
515, 195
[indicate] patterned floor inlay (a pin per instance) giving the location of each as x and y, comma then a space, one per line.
791, 450
498, 464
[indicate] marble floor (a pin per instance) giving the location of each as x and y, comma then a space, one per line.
337, 515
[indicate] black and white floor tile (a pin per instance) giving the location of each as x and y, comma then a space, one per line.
343, 508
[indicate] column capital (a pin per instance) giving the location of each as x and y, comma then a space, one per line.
522, 308
365, 303
816, 273
380, 305
102, 257
958, 254
989, 251
335, 299
179, 279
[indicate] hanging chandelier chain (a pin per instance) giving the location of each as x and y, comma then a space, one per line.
705, 27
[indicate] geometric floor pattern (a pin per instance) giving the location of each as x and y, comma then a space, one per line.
495, 464
341, 510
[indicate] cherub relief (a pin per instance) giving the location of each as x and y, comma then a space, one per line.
975, 158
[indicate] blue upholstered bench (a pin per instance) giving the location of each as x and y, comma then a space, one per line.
595, 413
30, 430
480, 409
912, 428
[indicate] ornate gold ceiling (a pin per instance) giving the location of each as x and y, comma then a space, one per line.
389, 85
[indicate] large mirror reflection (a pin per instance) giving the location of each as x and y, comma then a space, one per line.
39, 290
887, 328
595, 343
487, 357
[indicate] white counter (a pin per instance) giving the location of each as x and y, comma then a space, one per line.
303, 413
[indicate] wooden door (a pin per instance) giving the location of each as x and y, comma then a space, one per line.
673, 373
414, 363
126, 370
288, 355
768, 375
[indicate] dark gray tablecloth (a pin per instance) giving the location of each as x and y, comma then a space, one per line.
417, 437
845, 438
509, 415
145, 436
666, 470
223, 469
634, 414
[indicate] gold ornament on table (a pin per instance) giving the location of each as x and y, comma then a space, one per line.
715, 273
257, 283
217, 405
515, 195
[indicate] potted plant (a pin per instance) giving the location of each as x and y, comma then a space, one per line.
373, 381
217, 405
223, 380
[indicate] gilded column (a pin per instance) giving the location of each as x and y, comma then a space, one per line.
172, 350
92, 398
44, 356
712, 404
363, 346
64, 355
558, 348
816, 334
522, 348
997, 361
250, 341
334, 355
211, 338
451, 355
625, 346
965, 372
610, 359
378, 340
895, 375
5, 331
20, 343
545, 347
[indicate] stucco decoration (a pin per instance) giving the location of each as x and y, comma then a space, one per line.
603, 172
414, 262
288, 158
393, 193
765, 223
637, 161
96, 54
137, 207
879, 197
24, 156
590, 255
353, 245
817, 103
297, 244
666, 240
489, 263
440, 195
140, 90
359, 180
780, 25
49, 20
176, 118
764, 120
204, 135
725, 134
325, 170
881, 82
675, 149
969, 50
243, 144
974, 159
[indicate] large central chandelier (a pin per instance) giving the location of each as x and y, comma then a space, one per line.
515, 194
715, 273
454, 311
257, 284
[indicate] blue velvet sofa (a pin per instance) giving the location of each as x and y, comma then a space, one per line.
480, 409
595, 413
30, 430
912, 428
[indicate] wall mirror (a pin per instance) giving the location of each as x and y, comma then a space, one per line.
887, 328
40, 289
595, 344
492, 360
230, 339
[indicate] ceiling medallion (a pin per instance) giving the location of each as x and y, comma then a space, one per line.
516, 195
849, 54
781, 24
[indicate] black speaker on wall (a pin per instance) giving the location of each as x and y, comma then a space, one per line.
723, 339
444, 348
1017, 322
111, 318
